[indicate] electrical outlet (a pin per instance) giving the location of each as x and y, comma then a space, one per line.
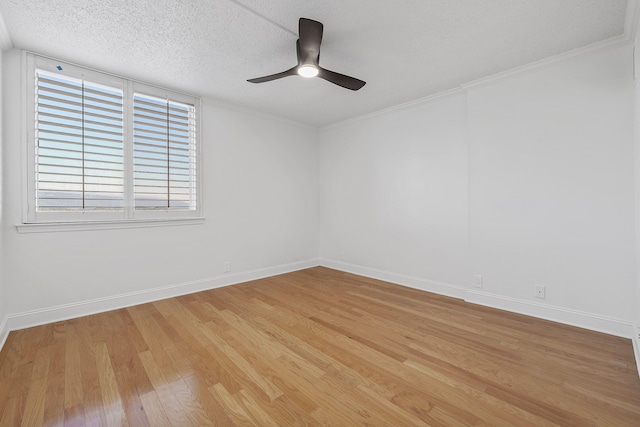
540, 291
227, 266
477, 281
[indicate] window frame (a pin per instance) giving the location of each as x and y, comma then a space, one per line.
102, 218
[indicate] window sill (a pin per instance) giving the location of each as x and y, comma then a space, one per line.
51, 227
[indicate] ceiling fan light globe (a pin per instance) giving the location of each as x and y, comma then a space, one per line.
308, 71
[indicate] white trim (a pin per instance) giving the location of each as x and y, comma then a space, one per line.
24, 135
51, 227
581, 319
33, 65
611, 43
424, 100
636, 337
4, 331
567, 316
58, 313
636, 345
455, 291
621, 40
636, 129
256, 113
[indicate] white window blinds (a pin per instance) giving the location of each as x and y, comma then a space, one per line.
79, 145
104, 148
164, 154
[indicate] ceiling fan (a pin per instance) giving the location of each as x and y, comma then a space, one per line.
308, 49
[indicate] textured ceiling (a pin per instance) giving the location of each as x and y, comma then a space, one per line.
404, 50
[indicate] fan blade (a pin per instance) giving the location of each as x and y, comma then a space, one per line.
310, 38
340, 79
290, 72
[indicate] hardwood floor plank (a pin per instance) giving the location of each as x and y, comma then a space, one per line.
73, 375
130, 399
261, 417
192, 406
34, 405
114, 412
54, 399
316, 347
5, 389
12, 413
345, 378
291, 365
152, 334
240, 363
499, 412
213, 408
154, 409
74, 416
231, 405
162, 386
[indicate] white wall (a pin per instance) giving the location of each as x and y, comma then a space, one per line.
393, 192
3, 306
551, 165
548, 158
636, 93
260, 184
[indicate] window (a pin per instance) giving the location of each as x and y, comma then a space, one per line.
102, 148
164, 154
79, 154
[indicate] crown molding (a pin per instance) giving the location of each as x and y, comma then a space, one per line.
621, 40
613, 42
626, 38
632, 17
257, 113
387, 110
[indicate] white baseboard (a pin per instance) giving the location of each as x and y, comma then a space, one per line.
558, 314
4, 331
43, 316
636, 345
580, 319
441, 288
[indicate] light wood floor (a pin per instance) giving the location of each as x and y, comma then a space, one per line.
315, 347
